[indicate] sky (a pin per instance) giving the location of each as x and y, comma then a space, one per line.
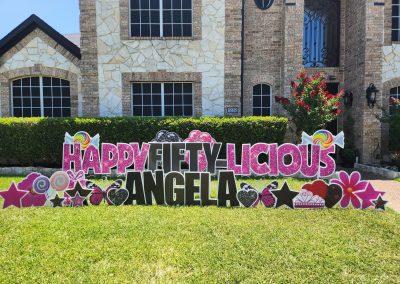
62, 15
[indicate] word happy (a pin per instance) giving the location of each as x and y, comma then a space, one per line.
259, 159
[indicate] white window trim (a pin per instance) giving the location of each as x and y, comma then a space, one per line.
270, 99
162, 97
161, 9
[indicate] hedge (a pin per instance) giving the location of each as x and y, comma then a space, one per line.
38, 141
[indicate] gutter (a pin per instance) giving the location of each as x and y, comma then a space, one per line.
242, 62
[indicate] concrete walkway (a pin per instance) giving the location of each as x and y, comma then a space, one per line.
392, 189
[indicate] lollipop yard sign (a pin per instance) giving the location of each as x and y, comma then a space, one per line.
173, 171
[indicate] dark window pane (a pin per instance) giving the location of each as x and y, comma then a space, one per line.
26, 82
65, 92
17, 91
36, 112
393, 91
156, 88
56, 82
146, 99
256, 111
266, 112
257, 90
154, 4
177, 16
17, 102
266, 101
147, 111
17, 82
395, 23
168, 111
168, 88
187, 88
256, 101
186, 4
188, 99
57, 102
26, 102
178, 99
395, 10
17, 112
155, 17
65, 83
46, 81
167, 4
187, 30
157, 100
144, 4
178, 110
145, 30
137, 88
36, 102
266, 89
135, 30
35, 92
56, 112
146, 88
167, 32
26, 92
56, 92
135, 17
167, 17
66, 103
48, 112
178, 88
46, 92
35, 81
145, 16
137, 111
26, 112
66, 112
168, 99
157, 111
137, 100
177, 30
155, 30
187, 17
188, 111
135, 4
48, 102
176, 4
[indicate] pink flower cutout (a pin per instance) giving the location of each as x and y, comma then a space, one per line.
202, 137
31, 198
351, 184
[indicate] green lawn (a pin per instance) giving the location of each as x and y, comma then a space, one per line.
397, 179
165, 244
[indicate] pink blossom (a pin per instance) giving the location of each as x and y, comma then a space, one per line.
350, 185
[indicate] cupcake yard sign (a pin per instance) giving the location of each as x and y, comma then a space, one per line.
173, 171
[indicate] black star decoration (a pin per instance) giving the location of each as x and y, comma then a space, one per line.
57, 201
78, 189
284, 196
380, 203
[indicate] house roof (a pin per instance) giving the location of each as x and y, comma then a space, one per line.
30, 24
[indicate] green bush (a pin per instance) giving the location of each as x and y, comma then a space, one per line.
38, 141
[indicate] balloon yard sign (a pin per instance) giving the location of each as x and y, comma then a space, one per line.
173, 171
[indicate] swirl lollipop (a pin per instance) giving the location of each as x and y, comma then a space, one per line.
41, 184
82, 138
59, 181
324, 138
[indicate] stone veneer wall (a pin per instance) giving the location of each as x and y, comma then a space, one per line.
39, 55
117, 56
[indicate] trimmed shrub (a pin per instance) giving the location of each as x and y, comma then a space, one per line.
38, 141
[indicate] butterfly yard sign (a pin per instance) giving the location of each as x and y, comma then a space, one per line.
173, 171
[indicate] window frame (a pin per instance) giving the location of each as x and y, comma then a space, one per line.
261, 95
41, 95
392, 17
162, 93
161, 23
397, 96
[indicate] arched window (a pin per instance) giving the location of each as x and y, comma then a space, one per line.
262, 99
321, 37
41, 97
394, 93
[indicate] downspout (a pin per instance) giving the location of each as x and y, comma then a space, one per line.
242, 62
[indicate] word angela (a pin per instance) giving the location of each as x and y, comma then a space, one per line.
259, 159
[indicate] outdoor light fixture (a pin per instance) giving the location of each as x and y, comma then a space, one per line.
348, 99
371, 95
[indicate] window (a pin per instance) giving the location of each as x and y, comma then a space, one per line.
321, 37
394, 93
162, 99
161, 18
264, 4
396, 20
41, 96
262, 100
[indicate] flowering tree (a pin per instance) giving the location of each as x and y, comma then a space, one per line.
311, 106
